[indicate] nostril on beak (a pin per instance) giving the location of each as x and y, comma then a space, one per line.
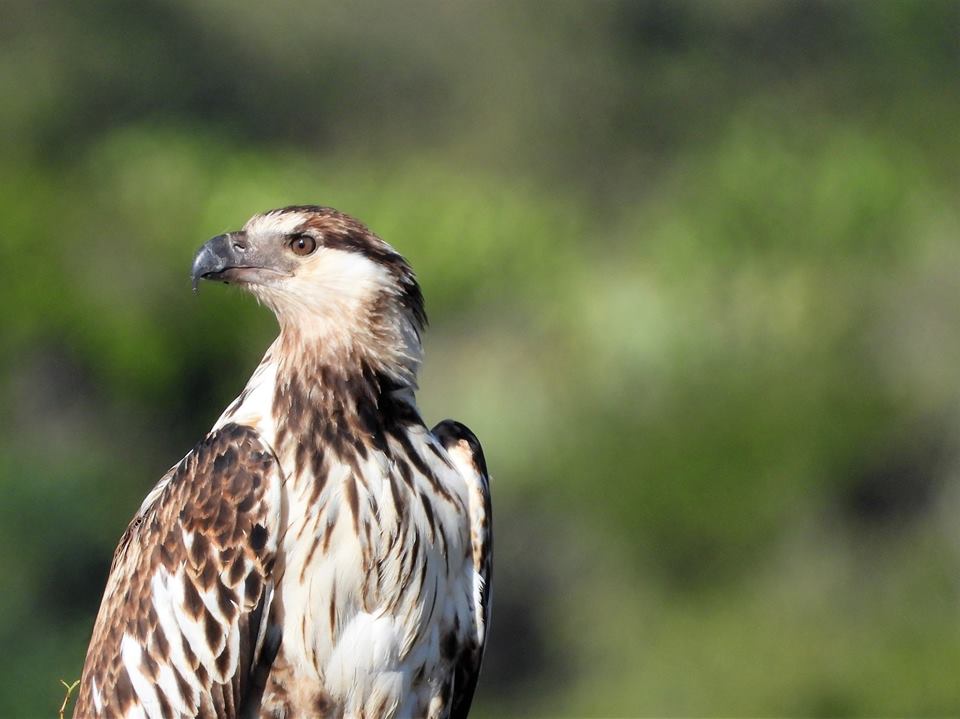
239, 246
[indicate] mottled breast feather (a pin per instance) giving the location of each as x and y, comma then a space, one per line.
179, 629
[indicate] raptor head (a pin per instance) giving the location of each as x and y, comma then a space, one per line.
327, 278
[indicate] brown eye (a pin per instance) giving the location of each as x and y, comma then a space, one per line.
303, 245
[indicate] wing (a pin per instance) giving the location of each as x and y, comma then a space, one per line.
179, 628
467, 455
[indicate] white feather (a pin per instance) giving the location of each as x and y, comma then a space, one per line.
95, 693
163, 604
132, 654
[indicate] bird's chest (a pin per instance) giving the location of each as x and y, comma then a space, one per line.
374, 576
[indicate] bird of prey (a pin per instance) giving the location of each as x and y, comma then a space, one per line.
320, 553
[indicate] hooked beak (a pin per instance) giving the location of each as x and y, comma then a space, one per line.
228, 258
213, 259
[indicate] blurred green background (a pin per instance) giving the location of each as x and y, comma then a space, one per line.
692, 270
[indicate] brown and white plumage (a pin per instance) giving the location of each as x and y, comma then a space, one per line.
320, 552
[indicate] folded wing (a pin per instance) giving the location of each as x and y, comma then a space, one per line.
467, 455
183, 618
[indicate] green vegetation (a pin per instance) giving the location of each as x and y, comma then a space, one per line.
692, 272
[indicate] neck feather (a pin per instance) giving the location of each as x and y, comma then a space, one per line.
337, 399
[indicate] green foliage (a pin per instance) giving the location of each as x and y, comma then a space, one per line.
691, 273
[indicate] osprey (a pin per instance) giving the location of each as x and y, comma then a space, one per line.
320, 553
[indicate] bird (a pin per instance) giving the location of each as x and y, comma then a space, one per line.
320, 552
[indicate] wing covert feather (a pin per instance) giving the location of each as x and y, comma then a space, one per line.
178, 625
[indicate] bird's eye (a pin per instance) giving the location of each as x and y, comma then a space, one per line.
303, 245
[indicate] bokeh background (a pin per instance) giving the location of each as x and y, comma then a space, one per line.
694, 279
